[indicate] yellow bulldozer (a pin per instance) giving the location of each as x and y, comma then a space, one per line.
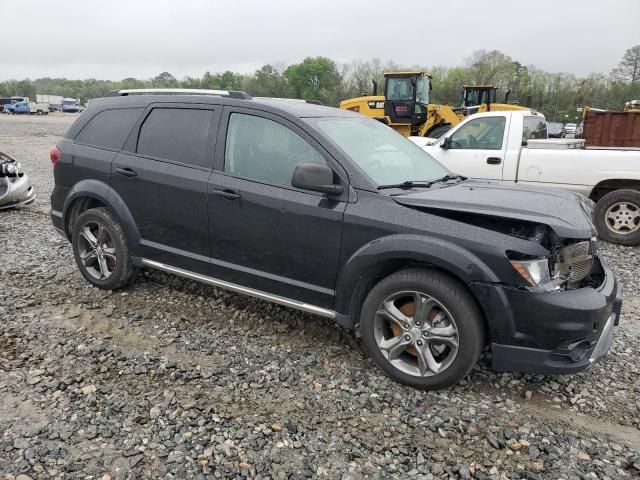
405, 105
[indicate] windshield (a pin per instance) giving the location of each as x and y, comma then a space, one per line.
422, 90
385, 155
69, 102
399, 89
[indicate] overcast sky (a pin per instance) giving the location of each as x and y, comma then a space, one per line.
115, 39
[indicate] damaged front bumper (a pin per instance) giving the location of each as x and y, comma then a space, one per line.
561, 331
16, 191
15, 187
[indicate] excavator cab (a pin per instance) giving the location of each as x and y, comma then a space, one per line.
406, 97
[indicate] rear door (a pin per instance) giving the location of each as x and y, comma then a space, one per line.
162, 176
266, 234
477, 148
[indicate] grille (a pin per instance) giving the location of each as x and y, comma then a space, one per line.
4, 187
574, 261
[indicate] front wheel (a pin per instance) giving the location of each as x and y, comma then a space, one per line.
617, 217
423, 328
100, 249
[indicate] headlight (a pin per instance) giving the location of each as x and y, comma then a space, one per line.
535, 272
11, 168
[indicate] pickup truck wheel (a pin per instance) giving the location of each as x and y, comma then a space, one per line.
422, 328
100, 249
617, 217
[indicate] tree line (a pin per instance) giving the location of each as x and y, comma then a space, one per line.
557, 95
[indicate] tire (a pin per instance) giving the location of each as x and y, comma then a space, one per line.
438, 131
442, 295
617, 217
117, 269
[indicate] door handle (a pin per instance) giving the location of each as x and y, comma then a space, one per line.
494, 161
127, 172
226, 194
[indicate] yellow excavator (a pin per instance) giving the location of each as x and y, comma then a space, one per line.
405, 105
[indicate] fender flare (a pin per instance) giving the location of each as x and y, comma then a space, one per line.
447, 256
104, 194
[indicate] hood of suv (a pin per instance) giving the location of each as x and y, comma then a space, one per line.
567, 213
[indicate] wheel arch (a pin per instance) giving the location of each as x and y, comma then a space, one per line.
88, 194
380, 258
610, 185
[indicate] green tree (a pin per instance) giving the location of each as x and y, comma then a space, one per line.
314, 78
628, 70
266, 82
164, 80
229, 80
491, 68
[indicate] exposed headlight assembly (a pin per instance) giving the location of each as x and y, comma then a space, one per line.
571, 264
535, 272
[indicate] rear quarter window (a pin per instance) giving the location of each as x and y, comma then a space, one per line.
109, 128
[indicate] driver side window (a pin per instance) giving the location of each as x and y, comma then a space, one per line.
264, 150
480, 134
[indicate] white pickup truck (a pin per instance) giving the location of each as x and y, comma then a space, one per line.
512, 146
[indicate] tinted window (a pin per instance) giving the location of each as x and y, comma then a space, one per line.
480, 134
109, 128
264, 150
534, 127
178, 134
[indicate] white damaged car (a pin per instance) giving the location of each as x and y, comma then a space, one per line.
15, 187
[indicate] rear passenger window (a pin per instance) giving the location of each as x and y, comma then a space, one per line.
177, 134
534, 128
109, 128
265, 150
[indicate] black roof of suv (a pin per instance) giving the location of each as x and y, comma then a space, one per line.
335, 214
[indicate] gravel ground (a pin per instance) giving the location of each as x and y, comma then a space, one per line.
173, 379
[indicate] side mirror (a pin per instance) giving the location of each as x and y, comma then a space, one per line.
446, 143
315, 177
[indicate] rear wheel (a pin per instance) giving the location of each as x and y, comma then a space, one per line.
422, 328
617, 217
100, 249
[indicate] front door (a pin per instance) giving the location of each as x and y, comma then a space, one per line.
476, 149
266, 234
162, 177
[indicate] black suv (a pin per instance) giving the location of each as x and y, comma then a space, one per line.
335, 214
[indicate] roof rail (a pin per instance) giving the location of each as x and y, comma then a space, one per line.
178, 91
284, 99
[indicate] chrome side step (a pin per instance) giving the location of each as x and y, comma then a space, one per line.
287, 302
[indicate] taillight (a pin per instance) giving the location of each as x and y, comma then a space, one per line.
54, 154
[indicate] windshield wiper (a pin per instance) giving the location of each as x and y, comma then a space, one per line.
423, 183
